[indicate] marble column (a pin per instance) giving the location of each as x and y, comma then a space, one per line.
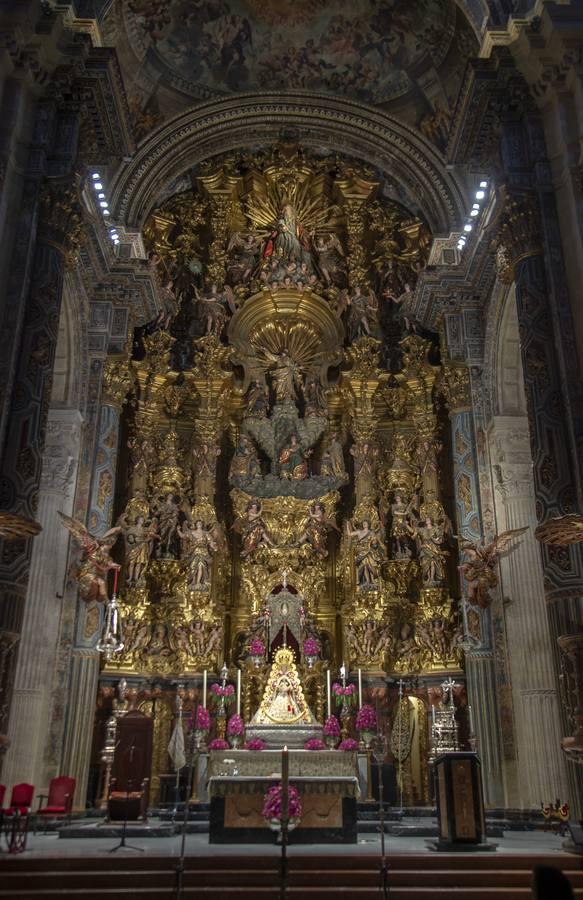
480, 663
40, 628
541, 767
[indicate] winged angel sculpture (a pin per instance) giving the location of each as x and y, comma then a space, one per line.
479, 565
96, 560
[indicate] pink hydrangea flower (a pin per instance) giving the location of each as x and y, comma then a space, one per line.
332, 727
257, 647
366, 718
314, 744
255, 744
348, 744
219, 744
311, 647
272, 803
235, 726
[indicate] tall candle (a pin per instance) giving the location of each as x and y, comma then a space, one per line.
359, 688
284, 786
204, 689
329, 693
433, 715
238, 692
471, 720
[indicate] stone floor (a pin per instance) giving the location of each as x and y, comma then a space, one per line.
50, 845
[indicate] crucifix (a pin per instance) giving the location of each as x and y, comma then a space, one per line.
448, 686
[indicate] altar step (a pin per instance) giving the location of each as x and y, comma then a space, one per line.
411, 876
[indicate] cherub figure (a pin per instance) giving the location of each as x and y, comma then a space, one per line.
96, 560
479, 565
316, 528
198, 636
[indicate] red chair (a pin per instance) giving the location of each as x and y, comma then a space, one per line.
59, 799
21, 800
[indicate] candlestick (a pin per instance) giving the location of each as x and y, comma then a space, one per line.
204, 689
471, 718
284, 787
360, 688
433, 715
238, 692
329, 693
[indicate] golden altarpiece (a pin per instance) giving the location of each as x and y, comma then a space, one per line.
285, 439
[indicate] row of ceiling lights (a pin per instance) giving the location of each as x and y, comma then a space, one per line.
102, 201
474, 213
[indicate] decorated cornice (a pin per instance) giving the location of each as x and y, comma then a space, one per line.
407, 158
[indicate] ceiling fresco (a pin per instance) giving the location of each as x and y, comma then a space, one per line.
364, 48
403, 53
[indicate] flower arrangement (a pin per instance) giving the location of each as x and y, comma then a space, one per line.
226, 693
256, 647
348, 744
235, 726
344, 694
219, 744
203, 720
366, 718
272, 803
255, 744
311, 647
331, 727
314, 744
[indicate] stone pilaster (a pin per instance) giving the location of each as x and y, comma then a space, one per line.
85, 659
480, 663
40, 629
541, 768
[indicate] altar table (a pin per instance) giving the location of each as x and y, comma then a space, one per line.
328, 809
322, 763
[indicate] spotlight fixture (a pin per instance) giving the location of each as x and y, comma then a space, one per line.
480, 195
483, 184
474, 212
104, 204
98, 185
96, 176
468, 227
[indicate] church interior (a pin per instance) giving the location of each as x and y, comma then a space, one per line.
291, 447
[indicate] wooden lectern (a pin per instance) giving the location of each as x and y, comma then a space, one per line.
460, 803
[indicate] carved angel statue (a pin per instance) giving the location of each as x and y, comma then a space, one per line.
479, 566
561, 530
332, 463
139, 537
257, 404
214, 306
330, 253
369, 554
316, 528
253, 529
243, 253
400, 530
95, 561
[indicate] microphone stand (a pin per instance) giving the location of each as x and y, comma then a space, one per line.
193, 765
122, 844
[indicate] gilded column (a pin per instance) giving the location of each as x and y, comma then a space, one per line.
480, 662
38, 645
541, 767
84, 676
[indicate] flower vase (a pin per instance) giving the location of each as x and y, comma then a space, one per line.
311, 661
235, 741
331, 741
257, 661
199, 738
275, 825
367, 737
